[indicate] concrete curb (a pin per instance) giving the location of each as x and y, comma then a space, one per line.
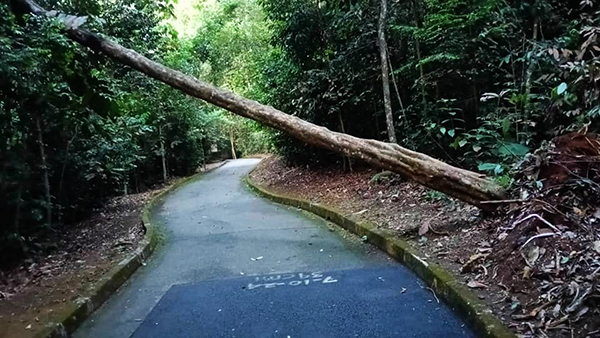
72, 317
451, 291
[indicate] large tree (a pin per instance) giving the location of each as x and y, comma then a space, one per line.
468, 186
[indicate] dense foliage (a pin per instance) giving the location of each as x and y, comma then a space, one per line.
77, 128
478, 83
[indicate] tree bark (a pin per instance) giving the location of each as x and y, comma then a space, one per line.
468, 186
418, 20
162, 154
203, 154
528, 76
421, 74
232, 144
385, 73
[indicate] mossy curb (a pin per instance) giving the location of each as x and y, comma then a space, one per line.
75, 314
446, 287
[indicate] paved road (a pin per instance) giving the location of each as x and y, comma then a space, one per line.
236, 265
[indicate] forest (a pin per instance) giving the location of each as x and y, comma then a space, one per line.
478, 84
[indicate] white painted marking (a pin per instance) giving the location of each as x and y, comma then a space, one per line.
328, 279
272, 285
302, 278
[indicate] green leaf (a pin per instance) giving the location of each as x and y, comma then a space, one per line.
498, 169
451, 132
505, 127
443, 130
561, 88
462, 143
487, 166
512, 149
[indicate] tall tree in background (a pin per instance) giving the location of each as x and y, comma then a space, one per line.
385, 72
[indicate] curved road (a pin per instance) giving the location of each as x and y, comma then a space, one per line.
236, 265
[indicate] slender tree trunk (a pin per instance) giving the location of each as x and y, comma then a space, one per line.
421, 74
232, 144
45, 175
528, 76
516, 109
468, 186
164, 160
203, 154
417, 13
162, 154
383, 52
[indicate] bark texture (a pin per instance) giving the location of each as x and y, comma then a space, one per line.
232, 144
385, 71
468, 186
163, 156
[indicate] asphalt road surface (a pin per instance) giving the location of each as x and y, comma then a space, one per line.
236, 265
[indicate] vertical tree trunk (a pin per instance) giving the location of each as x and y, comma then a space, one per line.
515, 108
232, 144
421, 75
203, 154
387, 102
45, 175
528, 76
417, 13
162, 154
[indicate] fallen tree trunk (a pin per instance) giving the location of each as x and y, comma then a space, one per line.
468, 186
